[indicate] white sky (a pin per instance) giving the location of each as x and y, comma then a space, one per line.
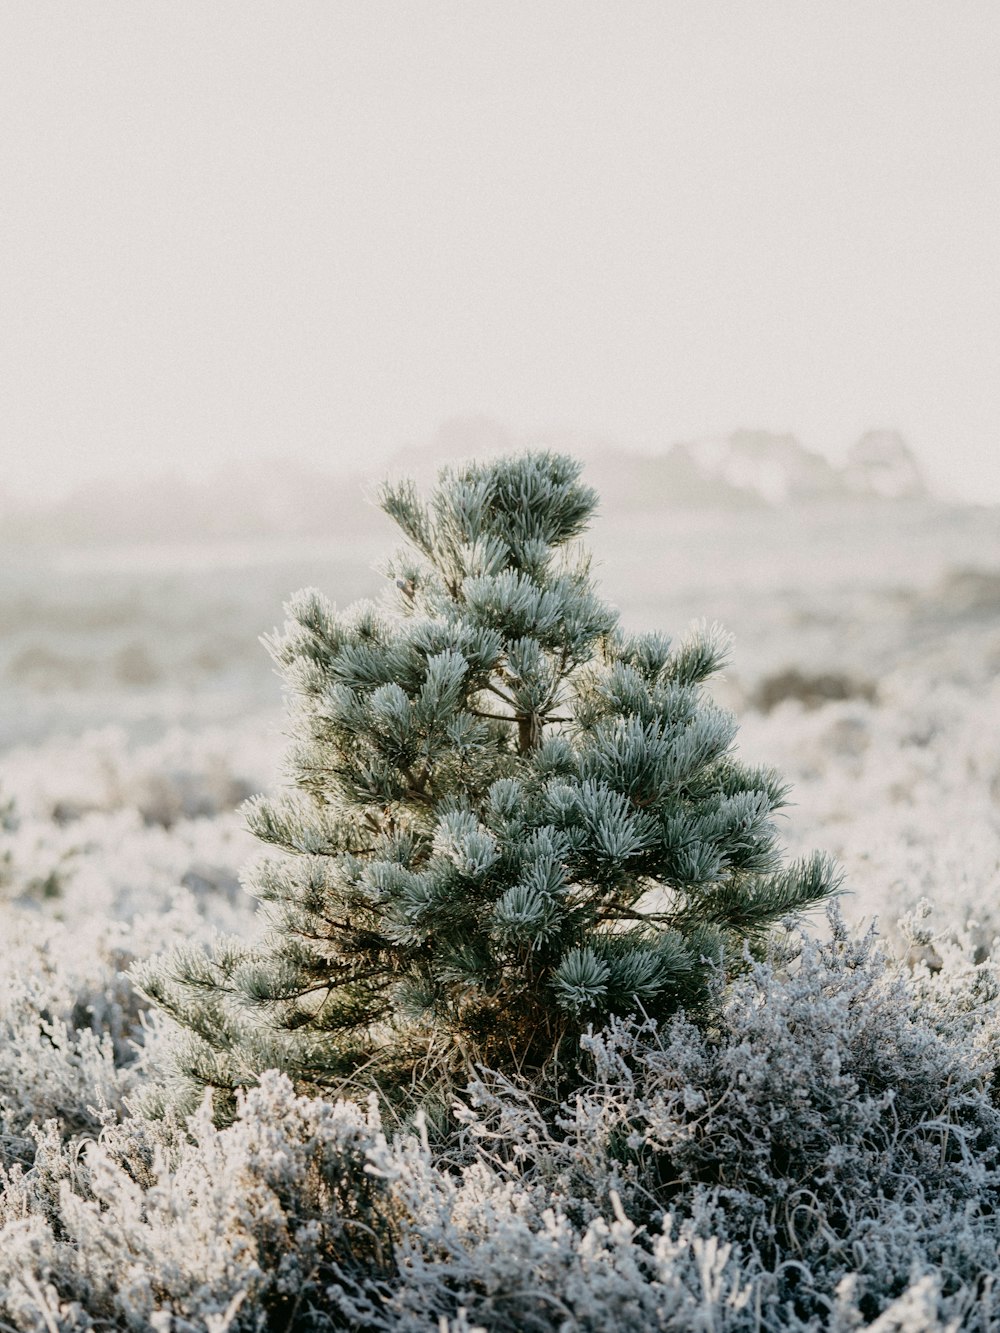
320, 229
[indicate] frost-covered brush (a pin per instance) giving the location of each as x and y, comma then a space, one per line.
511, 820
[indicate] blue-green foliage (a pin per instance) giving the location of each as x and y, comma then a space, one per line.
512, 820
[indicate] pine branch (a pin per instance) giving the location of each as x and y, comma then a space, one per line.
468, 886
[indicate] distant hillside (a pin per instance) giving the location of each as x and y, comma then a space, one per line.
292, 500
775, 468
747, 467
882, 464
245, 501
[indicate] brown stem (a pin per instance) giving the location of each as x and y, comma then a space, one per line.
529, 732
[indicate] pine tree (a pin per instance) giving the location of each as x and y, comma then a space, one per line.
509, 818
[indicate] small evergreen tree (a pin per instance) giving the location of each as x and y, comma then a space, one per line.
510, 819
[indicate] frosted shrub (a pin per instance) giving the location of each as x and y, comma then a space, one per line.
80, 898
906, 795
148, 1230
838, 1124
64, 1050
826, 1156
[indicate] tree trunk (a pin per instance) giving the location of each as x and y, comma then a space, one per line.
529, 732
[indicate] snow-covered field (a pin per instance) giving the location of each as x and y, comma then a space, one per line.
137, 710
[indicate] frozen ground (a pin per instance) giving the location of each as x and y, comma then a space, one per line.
138, 710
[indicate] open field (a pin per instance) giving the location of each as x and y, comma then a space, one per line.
135, 688
138, 711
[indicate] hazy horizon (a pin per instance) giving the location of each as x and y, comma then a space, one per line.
321, 230
289, 495
79, 476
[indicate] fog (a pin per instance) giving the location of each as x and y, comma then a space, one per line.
314, 232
